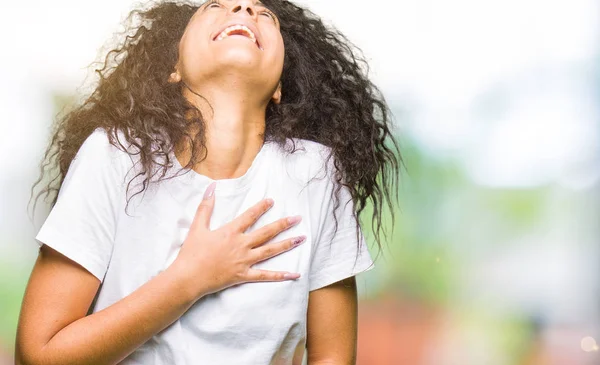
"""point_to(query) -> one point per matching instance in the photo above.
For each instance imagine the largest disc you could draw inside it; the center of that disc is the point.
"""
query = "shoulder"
(307, 157)
(106, 150)
(312, 148)
(102, 141)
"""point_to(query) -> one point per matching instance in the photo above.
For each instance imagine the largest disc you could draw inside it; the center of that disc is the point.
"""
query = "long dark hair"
(327, 98)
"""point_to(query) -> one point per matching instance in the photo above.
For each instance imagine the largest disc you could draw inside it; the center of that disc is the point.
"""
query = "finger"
(266, 275)
(273, 249)
(264, 234)
(250, 216)
(205, 209)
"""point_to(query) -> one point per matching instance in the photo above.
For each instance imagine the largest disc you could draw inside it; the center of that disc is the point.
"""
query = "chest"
(149, 238)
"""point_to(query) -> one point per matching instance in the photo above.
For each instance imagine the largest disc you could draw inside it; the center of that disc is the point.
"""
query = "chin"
(238, 59)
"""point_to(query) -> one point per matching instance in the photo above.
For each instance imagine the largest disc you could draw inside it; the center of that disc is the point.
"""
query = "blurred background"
(494, 257)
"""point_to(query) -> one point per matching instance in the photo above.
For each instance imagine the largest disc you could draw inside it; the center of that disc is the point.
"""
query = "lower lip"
(241, 36)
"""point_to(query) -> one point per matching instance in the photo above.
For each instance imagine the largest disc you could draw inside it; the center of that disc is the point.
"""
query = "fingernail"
(291, 276)
(298, 240)
(270, 202)
(294, 220)
(210, 190)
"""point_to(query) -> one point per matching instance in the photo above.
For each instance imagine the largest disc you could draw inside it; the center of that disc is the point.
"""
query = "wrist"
(186, 285)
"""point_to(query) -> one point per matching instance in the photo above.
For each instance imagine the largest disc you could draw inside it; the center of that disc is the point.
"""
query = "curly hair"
(327, 98)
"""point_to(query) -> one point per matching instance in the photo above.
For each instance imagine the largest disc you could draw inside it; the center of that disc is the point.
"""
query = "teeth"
(225, 33)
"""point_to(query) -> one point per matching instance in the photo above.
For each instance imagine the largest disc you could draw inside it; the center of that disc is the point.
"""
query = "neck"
(235, 128)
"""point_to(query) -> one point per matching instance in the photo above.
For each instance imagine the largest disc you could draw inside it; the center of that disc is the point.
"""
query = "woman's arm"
(53, 328)
(332, 324)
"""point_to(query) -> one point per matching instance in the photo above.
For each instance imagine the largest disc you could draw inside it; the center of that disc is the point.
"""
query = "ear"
(175, 77)
(277, 95)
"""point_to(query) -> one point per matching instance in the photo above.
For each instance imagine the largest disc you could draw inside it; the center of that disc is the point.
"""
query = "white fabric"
(252, 323)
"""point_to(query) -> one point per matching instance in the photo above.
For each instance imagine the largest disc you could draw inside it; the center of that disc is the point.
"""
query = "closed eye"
(213, 4)
(269, 14)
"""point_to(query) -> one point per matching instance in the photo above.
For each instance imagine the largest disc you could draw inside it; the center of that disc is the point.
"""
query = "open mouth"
(238, 30)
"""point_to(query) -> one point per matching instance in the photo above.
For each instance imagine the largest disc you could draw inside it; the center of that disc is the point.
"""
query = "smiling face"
(228, 38)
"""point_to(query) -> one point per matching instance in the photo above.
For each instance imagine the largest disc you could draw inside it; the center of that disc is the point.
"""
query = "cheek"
(192, 52)
(282, 55)
(279, 54)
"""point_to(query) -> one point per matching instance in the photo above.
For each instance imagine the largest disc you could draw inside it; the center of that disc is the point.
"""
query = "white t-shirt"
(252, 323)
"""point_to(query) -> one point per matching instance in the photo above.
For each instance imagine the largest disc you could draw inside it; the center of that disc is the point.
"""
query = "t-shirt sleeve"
(336, 255)
(82, 223)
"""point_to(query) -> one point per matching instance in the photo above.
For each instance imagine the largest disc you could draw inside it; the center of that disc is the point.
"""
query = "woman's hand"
(214, 260)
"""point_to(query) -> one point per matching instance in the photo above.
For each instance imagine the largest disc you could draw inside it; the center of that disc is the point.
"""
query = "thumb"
(205, 209)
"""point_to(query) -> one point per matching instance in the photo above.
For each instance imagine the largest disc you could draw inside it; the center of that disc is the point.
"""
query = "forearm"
(333, 360)
(110, 335)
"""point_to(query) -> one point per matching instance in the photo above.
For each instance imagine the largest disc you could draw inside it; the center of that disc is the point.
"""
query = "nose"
(244, 7)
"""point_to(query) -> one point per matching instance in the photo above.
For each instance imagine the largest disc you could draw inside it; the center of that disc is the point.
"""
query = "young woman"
(208, 195)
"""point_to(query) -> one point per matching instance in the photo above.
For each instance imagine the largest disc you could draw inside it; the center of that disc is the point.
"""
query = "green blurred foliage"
(13, 279)
(415, 260)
